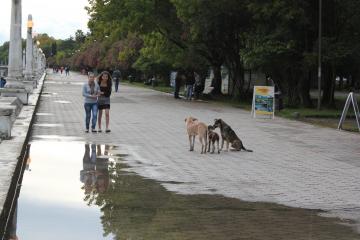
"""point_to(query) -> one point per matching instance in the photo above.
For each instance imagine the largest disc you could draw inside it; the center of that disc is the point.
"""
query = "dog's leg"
(222, 144)
(209, 142)
(205, 139)
(190, 137)
(202, 144)
(227, 146)
(213, 147)
(218, 146)
(193, 143)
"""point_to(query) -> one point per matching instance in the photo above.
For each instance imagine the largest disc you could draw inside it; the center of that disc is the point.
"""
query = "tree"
(80, 36)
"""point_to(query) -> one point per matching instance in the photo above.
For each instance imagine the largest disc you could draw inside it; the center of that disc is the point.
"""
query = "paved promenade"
(293, 163)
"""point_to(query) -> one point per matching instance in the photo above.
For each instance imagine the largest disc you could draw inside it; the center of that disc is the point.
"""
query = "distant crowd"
(62, 69)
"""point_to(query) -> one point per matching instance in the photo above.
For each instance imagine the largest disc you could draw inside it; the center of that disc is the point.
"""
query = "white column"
(14, 82)
(15, 74)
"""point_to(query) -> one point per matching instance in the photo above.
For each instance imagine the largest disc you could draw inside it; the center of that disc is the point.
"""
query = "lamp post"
(29, 50)
(319, 56)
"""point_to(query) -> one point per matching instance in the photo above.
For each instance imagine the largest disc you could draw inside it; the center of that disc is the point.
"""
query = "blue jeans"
(189, 92)
(91, 110)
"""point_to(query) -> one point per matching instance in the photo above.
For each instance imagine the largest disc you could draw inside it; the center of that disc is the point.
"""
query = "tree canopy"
(278, 38)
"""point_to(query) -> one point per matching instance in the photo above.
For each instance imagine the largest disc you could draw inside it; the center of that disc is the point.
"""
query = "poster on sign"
(263, 102)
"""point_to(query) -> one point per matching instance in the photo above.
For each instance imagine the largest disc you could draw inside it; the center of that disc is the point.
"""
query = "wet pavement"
(154, 188)
(73, 190)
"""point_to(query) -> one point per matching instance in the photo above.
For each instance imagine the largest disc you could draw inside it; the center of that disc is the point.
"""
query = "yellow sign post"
(263, 102)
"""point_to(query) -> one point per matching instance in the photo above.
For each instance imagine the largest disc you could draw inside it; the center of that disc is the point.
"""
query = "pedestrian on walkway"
(178, 81)
(198, 87)
(190, 81)
(67, 71)
(2, 82)
(91, 91)
(116, 76)
(105, 83)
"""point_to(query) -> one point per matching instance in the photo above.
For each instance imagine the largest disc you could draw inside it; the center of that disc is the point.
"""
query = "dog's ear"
(194, 119)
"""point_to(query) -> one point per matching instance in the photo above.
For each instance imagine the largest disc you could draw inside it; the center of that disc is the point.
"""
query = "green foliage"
(277, 37)
(4, 52)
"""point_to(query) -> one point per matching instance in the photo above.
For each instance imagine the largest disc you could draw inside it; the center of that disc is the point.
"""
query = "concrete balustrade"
(24, 71)
(9, 110)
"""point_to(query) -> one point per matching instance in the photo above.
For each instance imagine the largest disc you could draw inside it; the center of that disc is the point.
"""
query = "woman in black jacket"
(105, 83)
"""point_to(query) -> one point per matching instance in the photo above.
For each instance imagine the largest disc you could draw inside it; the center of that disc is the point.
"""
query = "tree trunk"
(293, 93)
(217, 81)
(329, 87)
(238, 73)
(305, 86)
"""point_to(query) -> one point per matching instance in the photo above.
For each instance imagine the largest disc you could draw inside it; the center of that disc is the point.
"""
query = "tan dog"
(194, 127)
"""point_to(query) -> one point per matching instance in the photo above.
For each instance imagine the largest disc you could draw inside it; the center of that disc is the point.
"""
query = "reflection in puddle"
(44, 114)
(57, 138)
(84, 191)
(48, 125)
(62, 101)
(62, 82)
(48, 94)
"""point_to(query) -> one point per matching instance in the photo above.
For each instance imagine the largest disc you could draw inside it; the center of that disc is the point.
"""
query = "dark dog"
(229, 136)
(213, 138)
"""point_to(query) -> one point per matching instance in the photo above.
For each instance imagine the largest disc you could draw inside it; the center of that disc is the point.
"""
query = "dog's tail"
(247, 150)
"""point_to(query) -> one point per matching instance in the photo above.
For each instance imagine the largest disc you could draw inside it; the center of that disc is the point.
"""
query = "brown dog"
(213, 138)
(194, 127)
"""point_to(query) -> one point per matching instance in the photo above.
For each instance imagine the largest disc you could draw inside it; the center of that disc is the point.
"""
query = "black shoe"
(93, 131)
(99, 130)
(87, 130)
(108, 130)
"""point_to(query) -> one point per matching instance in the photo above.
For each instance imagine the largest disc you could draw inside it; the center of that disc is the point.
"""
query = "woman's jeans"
(189, 91)
(91, 110)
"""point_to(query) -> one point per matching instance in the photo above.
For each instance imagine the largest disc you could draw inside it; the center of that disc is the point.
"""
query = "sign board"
(350, 99)
(263, 102)
(172, 79)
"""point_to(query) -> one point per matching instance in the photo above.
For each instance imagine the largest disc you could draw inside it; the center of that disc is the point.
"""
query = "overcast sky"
(58, 18)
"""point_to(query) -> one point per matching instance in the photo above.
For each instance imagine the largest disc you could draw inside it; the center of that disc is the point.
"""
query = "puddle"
(50, 125)
(86, 191)
(44, 114)
(48, 94)
(56, 138)
(62, 102)
(62, 82)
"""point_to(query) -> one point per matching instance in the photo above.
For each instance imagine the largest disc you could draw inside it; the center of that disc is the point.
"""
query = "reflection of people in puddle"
(28, 162)
(87, 175)
(95, 173)
(102, 171)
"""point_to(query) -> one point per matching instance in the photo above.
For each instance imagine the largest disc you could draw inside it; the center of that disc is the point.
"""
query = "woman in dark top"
(105, 83)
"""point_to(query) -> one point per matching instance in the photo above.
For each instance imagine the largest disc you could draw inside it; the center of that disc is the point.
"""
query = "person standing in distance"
(91, 92)
(105, 83)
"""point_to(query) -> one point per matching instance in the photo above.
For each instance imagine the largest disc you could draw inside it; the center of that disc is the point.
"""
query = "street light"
(319, 56)
(30, 23)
